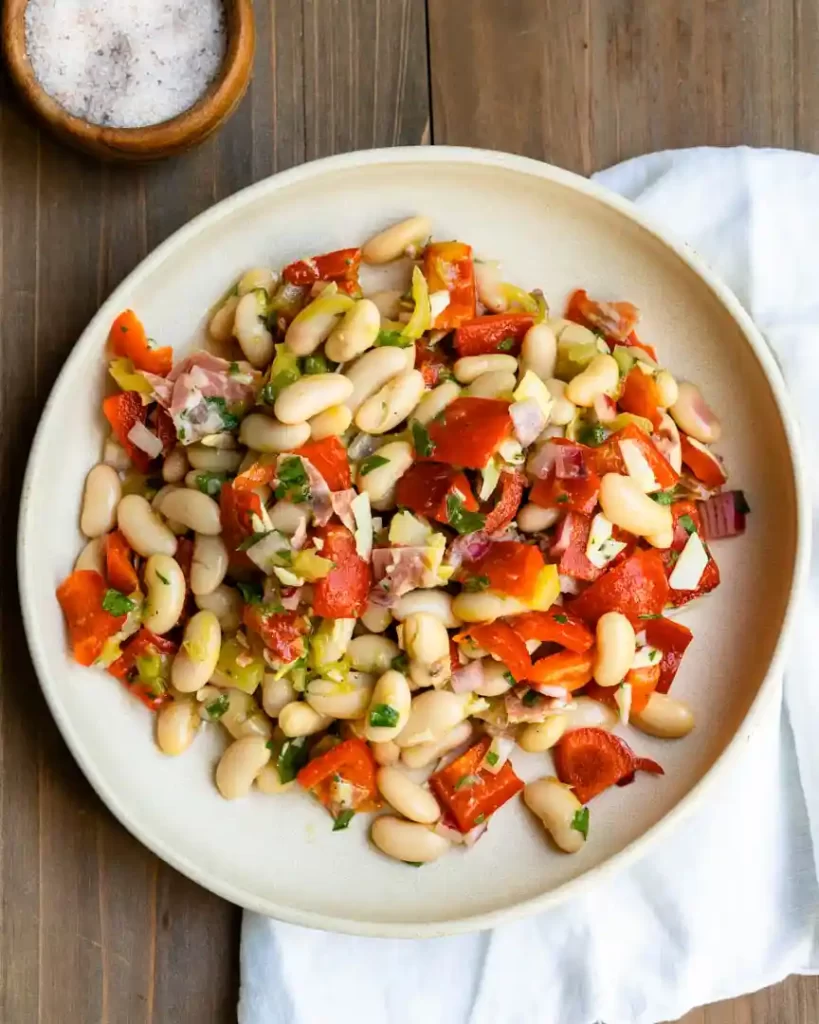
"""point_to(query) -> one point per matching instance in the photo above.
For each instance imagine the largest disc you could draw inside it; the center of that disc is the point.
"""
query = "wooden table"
(92, 926)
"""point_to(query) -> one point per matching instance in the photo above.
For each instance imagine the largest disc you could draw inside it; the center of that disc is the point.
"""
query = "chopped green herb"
(384, 716)
(289, 758)
(492, 758)
(688, 524)
(562, 619)
(476, 584)
(593, 435)
(507, 675)
(254, 538)
(481, 818)
(506, 345)
(467, 781)
(392, 339)
(414, 863)
(460, 518)
(211, 483)
(164, 579)
(563, 498)
(439, 417)
(233, 369)
(580, 822)
(421, 441)
(218, 707)
(400, 663)
(371, 463)
(116, 603)
(663, 497)
(343, 819)
(252, 593)
(285, 556)
(444, 375)
(655, 616)
(316, 363)
(673, 557)
(530, 698)
(229, 421)
(293, 484)
(653, 655)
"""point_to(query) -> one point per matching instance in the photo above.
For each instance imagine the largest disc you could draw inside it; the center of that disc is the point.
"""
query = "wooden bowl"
(155, 141)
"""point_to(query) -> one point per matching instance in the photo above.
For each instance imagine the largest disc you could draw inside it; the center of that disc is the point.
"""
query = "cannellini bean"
(556, 806)
(257, 277)
(431, 601)
(221, 323)
(277, 693)
(485, 606)
(425, 637)
(692, 415)
(142, 527)
(664, 539)
(665, 717)
(626, 505)
(423, 754)
(376, 618)
(355, 333)
(193, 509)
(372, 653)
(538, 737)
(388, 303)
(226, 604)
(406, 796)
(488, 284)
(538, 352)
(600, 377)
(239, 766)
(563, 410)
(209, 564)
(92, 556)
(338, 700)
(392, 243)
(434, 402)
(380, 482)
(496, 384)
(386, 753)
(103, 491)
(114, 455)
(667, 389)
(299, 719)
(176, 725)
(568, 332)
(589, 714)
(370, 372)
(287, 517)
(156, 504)
(533, 519)
(311, 327)
(250, 328)
(432, 714)
(330, 423)
(213, 460)
(392, 404)
(268, 781)
(495, 678)
(407, 840)
(309, 396)
(391, 693)
(175, 466)
(196, 660)
(615, 649)
(165, 594)
(469, 368)
(264, 434)
(243, 717)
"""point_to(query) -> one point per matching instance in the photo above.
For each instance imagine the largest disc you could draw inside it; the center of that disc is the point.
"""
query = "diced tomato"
(122, 411)
(340, 266)
(511, 568)
(500, 639)
(329, 456)
(425, 487)
(637, 587)
(342, 594)
(448, 267)
(145, 644)
(119, 567)
(643, 682)
(608, 458)
(672, 638)
(128, 339)
(470, 431)
(558, 626)
(512, 487)
(89, 624)
(283, 632)
(616, 320)
(575, 530)
(566, 668)
(470, 793)
(500, 332)
(431, 361)
(702, 462)
(349, 762)
(591, 760)
(640, 396)
(578, 495)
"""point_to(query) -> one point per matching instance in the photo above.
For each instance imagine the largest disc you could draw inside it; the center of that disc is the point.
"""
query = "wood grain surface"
(92, 927)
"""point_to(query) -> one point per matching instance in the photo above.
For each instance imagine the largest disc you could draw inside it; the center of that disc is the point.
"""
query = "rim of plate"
(767, 691)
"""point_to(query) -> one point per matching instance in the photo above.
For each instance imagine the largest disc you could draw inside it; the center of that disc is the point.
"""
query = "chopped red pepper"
(500, 332)
(470, 793)
(511, 568)
(616, 320)
(577, 495)
(672, 638)
(558, 626)
(128, 339)
(637, 587)
(283, 632)
(448, 267)
(709, 581)
(705, 466)
(643, 682)
(352, 762)
(342, 594)
(512, 487)
(684, 513)
(500, 639)
(432, 363)
(425, 487)
(687, 520)
(608, 457)
(340, 266)
(329, 456)
(89, 624)
(257, 475)
(574, 531)
(566, 668)
(237, 508)
(122, 411)
(469, 431)
(119, 567)
(640, 396)
(591, 760)
(146, 644)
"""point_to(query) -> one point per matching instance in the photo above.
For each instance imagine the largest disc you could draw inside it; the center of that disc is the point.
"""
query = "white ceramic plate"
(551, 229)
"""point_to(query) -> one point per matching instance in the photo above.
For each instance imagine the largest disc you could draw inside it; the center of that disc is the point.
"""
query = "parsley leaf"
(400, 663)
(580, 822)
(479, 820)
(233, 370)
(421, 441)
(562, 619)
(688, 524)
(252, 593)
(663, 497)
(507, 675)
(506, 345)
(343, 819)
(373, 462)
(291, 757)
(492, 758)
(392, 339)
(593, 435)
(270, 392)
(529, 699)
(563, 498)
(164, 579)
(116, 603)
(459, 518)
(229, 421)
(655, 616)
(467, 781)
(248, 542)
(218, 707)
(211, 483)
(293, 484)
(383, 716)
(476, 584)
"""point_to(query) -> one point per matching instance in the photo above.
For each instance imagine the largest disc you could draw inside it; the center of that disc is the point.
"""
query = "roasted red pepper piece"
(591, 760)
(119, 567)
(643, 682)
(283, 632)
(469, 431)
(672, 638)
(237, 508)
(425, 487)
(608, 458)
(500, 332)
(122, 411)
(470, 793)
(566, 668)
(578, 495)
(512, 487)
(89, 624)
(616, 320)
(351, 761)
(500, 639)
(432, 363)
(342, 594)
(640, 396)
(329, 456)
(164, 428)
(637, 587)
(128, 339)
(558, 626)
(511, 568)
(448, 267)
(686, 515)
(576, 528)
(705, 466)
(145, 644)
(340, 266)
(257, 475)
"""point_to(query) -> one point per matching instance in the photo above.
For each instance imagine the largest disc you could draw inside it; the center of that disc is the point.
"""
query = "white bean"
(221, 323)
(331, 423)
(142, 527)
(392, 243)
(380, 482)
(387, 753)
(484, 606)
(495, 678)
(431, 601)
(213, 460)
(338, 700)
(667, 389)
(692, 415)
(269, 781)
(615, 649)
(469, 368)
(388, 303)
(250, 328)
(423, 754)
(426, 641)
(193, 509)
(264, 434)
(407, 840)
(626, 505)
(239, 766)
(497, 384)
(556, 806)
(309, 396)
(370, 653)
(313, 324)
(665, 717)
(600, 377)
(489, 286)
(92, 556)
(434, 402)
(209, 564)
(243, 717)
(114, 455)
(287, 517)
(165, 594)
(257, 277)
(406, 796)
(226, 604)
(538, 737)
(533, 519)
(391, 699)
(392, 404)
(175, 466)
(370, 372)
(276, 693)
(589, 714)
(156, 504)
(432, 714)
(196, 660)
(101, 496)
(176, 725)
(563, 411)
(356, 333)
(299, 719)
(570, 333)
(538, 352)
(376, 618)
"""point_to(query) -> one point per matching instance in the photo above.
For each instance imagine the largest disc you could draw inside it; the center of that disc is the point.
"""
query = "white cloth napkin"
(728, 902)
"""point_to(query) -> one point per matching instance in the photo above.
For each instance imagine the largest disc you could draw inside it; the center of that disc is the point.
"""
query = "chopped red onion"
(144, 439)
(468, 678)
(447, 829)
(723, 515)
(468, 548)
(569, 585)
(563, 537)
(474, 834)
(569, 463)
(528, 420)
(542, 461)
(604, 408)
(290, 598)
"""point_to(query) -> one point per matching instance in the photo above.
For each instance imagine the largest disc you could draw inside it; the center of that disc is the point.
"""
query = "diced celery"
(330, 641)
(421, 318)
(310, 565)
(624, 359)
(623, 420)
(238, 667)
(573, 357)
